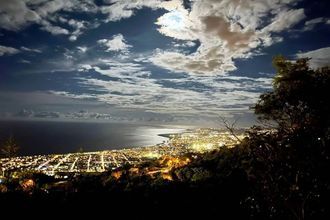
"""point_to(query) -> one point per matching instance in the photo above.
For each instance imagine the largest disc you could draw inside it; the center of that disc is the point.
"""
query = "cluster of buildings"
(195, 141)
(206, 139)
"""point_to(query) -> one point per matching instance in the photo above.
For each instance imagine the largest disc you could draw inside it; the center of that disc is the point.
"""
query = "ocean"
(44, 137)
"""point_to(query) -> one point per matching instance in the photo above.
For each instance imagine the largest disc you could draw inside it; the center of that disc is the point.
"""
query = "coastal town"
(191, 141)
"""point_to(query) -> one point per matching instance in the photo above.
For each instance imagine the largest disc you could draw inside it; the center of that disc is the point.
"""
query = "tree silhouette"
(295, 157)
(10, 147)
(300, 97)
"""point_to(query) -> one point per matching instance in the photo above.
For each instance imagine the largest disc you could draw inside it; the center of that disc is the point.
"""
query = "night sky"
(150, 60)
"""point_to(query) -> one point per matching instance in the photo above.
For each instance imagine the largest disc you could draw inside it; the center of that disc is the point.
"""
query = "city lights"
(170, 154)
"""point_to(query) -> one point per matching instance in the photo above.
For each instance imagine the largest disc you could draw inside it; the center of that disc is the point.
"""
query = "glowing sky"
(150, 60)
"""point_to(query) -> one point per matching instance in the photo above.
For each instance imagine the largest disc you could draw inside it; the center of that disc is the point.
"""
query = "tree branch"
(231, 127)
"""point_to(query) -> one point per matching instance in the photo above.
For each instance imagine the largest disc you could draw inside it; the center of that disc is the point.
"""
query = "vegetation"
(272, 174)
(299, 101)
(10, 147)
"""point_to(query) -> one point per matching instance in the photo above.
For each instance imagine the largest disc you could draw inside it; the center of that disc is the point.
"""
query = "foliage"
(291, 162)
(10, 147)
(299, 99)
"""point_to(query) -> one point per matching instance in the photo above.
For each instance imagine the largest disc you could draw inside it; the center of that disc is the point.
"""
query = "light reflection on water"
(152, 135)
(64, 137)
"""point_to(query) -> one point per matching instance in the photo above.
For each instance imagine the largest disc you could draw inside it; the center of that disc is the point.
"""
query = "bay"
(50, 137)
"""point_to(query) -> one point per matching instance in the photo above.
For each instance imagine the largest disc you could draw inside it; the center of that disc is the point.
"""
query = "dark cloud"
(222, 28)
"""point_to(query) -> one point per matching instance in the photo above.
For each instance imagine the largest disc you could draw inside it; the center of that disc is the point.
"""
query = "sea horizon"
(38, 137)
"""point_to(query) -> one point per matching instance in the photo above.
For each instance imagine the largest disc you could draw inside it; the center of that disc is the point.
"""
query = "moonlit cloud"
(279, 24)
(121, 9)
(160, 60)
(116, 43)
(81, 115)
(78, 26)
(82, 49)
(135, 88)
(55, 30)
(176, 24)
(185, 44)
(310, 24)
(226, 30)
(237, 19)
(8, 50)
(16, 15)
(31, 50)
(25, 61)
(319, 57)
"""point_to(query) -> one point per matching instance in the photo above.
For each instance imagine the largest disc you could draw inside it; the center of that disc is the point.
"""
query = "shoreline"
(197, 141)
(41, 138)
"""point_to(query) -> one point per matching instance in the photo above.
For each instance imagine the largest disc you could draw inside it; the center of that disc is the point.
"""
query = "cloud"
(226, 30)
(46, 8)
(176, 24)
(121, 9)
(28, 113)
(84, 114)
(25, 113)
(121, 69)
(240, 22)
(116, 44)
(30, 50)
(235, 95)
(8, 50)
(24, 61)
(185, 44)
(82, 49)
(320, 57)
(16, 15)
(85, 67)
(310, 24)
(208, 60)
(81, 115)
(285, 20)
(129, 85)
(55, 30)
(47, 114)
(78, 26)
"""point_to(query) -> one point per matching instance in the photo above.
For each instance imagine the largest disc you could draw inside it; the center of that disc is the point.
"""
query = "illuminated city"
(197, 141)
